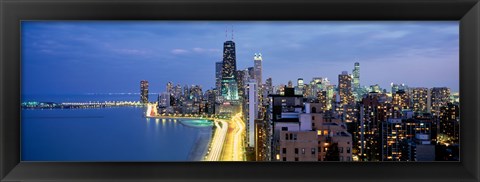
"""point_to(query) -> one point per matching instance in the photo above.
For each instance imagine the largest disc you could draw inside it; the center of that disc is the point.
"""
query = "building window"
(284, 159)
(340, 149)
(296, 150)
(314, 110)
(303, 150)
(313, 117)
(296, 158)
(284, 128)
(324, 149)
(284, 150)
(294, 136)
(348, 158)
(341, 158)
(348, 150)
(286, 136)
(313, 150)
(291, 136)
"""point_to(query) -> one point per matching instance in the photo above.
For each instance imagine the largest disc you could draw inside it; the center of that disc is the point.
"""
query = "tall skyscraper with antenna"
(257, 61)
(356, 76)
(229, 88)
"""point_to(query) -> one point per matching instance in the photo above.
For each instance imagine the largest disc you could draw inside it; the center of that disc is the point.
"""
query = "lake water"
(109, 134)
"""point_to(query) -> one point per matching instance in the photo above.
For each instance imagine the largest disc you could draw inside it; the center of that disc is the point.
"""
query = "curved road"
(217, 141)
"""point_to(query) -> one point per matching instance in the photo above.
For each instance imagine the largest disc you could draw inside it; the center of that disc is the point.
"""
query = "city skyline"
(102, 57)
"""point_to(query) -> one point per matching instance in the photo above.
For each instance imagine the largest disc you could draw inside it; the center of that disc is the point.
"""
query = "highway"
(218, 140)
(233, 147)
(238, 142)
(228, 140)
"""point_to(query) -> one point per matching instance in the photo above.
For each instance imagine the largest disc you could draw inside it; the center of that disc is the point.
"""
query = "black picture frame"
(12, 12)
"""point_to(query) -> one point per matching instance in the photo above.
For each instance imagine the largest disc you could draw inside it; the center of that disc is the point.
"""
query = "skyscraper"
(170, 87)
(345, 88)
(440, 96)
(229, 82)
(401, 98)
(229, 60)
(241, 83)
(251, 73)
(300, 82)
(144, 91)
(420, 99)
(299, 87)
(257, 60)
(218, 76)
(251, 90)
(356, 76)
(290, 84)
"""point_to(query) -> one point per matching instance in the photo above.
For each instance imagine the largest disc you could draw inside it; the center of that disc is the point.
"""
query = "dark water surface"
(109, 134)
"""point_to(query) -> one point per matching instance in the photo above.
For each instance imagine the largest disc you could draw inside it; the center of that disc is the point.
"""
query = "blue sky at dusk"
(113, 56)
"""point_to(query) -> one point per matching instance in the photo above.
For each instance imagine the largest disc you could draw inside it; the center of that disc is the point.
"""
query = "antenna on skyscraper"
(226, 28)
(232, 32)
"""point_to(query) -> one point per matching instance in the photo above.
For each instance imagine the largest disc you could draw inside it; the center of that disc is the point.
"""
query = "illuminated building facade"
(418, 148)
(144, 91)
(401, 98)
(345, 89)
(242, 79)
(334, 142)
(396, 87)
(420, 99)
(299, 87)
(261, 140)
(257, 69)
(439, 97)
(229, 86)
(252, 112)
(356, 77)
(218, 76)
(251, 72)
(323, 100)
(449, 124)
(372, 112)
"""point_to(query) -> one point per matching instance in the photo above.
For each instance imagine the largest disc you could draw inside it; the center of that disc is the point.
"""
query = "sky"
(77, 57)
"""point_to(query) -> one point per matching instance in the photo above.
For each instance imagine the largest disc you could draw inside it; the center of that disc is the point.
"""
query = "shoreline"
(200, 147)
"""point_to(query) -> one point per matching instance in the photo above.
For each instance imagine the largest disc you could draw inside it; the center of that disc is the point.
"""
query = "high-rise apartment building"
(252, 112)
(345, 89)
(218, 76)
(420, 99)
(144, 91)
(356, 76)
(401, 98)
(439, 97)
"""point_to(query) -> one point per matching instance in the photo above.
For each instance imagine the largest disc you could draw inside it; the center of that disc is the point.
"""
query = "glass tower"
(356, 76)
(258, 68)
(229, 80)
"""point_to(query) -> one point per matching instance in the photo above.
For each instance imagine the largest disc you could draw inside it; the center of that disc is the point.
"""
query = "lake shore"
(200, 147)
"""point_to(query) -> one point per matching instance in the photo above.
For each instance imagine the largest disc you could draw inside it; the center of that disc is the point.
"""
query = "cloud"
(130, 51)
(390, 35)
(203, 50)
(179, 51)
